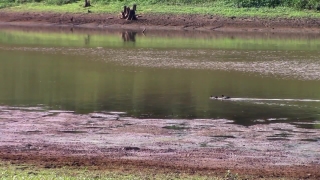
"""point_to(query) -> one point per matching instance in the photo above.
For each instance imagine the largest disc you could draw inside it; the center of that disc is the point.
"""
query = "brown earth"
(110, 140)
(161, 22)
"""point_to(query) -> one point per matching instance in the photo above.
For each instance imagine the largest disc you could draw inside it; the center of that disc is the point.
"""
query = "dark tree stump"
(132, 13)
(129, 14)
(87, 3)
(123, 13)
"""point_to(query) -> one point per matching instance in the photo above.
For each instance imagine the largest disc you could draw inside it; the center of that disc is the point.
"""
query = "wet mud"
(161, 22)
(111, 140)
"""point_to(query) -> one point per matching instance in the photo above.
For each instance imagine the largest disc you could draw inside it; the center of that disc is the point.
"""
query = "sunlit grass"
(212, 8)
(29, 172)
(10, 171)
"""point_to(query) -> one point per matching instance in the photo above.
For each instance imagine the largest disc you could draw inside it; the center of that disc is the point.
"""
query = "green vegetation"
(29, 172)
(261, 8)
(299, 4)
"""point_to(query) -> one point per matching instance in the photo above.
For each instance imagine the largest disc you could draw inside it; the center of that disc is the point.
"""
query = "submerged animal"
(221, 98)
(214, 97)
(225, 97)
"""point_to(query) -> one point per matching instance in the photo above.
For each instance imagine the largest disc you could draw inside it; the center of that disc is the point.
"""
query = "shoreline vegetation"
(28, 171)
(227, 8)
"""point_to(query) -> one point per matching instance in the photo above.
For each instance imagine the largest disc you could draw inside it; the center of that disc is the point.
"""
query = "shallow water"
(271, 78)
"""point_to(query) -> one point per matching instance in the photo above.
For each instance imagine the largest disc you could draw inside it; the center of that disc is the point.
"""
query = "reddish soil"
(162, 22)
(111, 141)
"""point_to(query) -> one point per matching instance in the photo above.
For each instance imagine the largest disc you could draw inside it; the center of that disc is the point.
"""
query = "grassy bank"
(30, 172)
(259, 8)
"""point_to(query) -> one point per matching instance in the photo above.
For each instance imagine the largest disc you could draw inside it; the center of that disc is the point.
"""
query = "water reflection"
(161, 76)
(129, 36)
(60, 36)
(87, 40)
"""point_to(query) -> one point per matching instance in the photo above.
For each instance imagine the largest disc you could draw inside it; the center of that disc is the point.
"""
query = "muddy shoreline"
(160, 22)
(111, 140)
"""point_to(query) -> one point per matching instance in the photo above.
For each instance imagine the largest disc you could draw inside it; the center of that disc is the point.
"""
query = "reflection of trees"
(87, 40)
(129, 36)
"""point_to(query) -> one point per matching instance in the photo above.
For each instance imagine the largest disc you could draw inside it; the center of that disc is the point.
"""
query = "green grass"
(28, 172)
(10, 171)
(217, 7)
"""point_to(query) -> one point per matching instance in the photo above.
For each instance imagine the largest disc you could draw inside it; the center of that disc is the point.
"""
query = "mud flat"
(110, 140)
(161, 22)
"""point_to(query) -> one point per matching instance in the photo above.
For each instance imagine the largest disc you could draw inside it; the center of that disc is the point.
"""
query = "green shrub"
(303, 4)
(8, 1)
(56, 2)
(258, 3)
(23, 1)
(60, 2)
(299, 4)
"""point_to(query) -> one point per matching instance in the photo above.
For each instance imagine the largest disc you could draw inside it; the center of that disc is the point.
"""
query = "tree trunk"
(87, 3)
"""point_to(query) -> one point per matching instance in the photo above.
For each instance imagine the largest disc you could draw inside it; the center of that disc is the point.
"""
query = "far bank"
(156, 21)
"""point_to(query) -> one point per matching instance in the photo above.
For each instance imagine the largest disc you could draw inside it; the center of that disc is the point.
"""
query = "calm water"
(273, 78)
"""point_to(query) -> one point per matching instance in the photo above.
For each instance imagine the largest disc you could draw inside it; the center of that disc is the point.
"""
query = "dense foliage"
(57, 2)
(298, 4)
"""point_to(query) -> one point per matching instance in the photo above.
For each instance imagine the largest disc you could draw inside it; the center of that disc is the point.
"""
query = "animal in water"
(214, 97)
(221, 98)
(225, 97)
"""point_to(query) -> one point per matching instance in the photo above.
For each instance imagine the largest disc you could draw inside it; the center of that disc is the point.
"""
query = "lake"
(270, 77)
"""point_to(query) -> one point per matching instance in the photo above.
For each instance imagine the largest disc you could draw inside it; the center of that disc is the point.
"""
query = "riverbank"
(112, 141)
(160, 22)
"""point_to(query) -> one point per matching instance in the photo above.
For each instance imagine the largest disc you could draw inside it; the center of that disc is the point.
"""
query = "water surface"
(271, 78)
